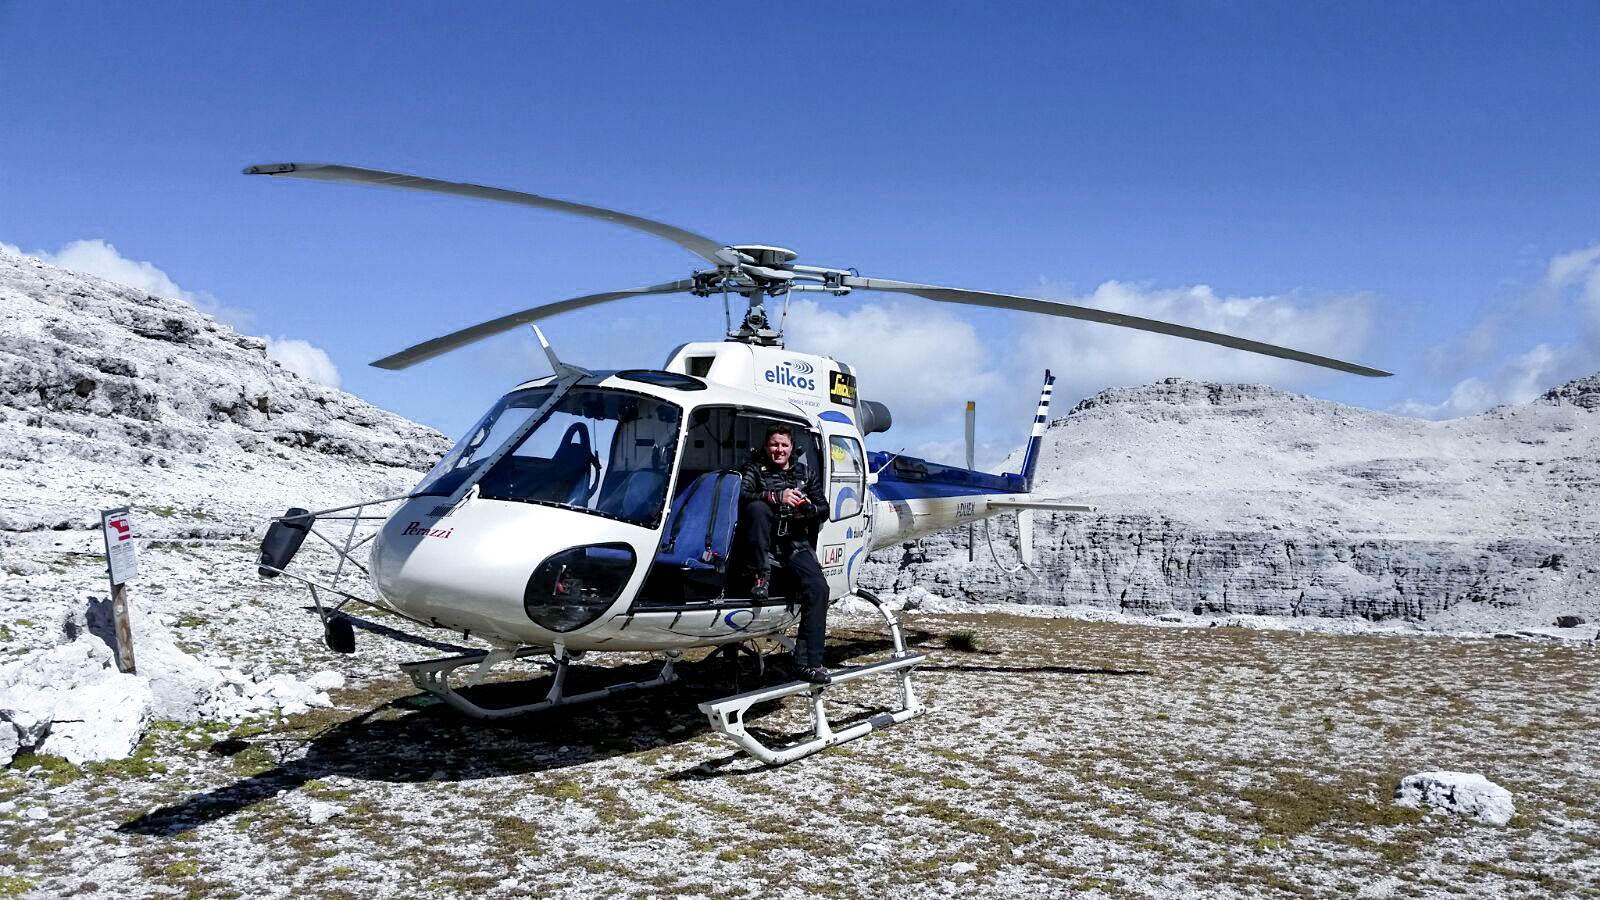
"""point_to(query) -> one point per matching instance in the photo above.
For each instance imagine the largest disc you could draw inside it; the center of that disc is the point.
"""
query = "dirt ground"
(1059, 757)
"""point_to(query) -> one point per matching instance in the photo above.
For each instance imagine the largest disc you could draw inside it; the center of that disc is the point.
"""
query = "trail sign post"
(121, 565)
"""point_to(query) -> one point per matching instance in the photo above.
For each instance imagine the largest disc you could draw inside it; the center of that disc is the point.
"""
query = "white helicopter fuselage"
(474, 565)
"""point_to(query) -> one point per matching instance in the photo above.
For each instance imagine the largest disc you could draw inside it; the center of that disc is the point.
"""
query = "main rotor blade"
(429, 349)
(1029, 304)
(703, 247)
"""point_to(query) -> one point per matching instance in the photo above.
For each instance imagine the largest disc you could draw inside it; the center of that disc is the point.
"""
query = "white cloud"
(1519, 380)
(987, 455)
(1088, 356)
(1569, 268)
(304, 359)
(99, 258)
(1570, 292)
(1476, 347)
(920, 361)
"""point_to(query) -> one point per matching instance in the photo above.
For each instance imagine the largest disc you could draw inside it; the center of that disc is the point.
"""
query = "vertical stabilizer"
(1030, 457)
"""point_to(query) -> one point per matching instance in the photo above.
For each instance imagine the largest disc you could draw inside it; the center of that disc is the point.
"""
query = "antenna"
(972, 418)
(560, 368)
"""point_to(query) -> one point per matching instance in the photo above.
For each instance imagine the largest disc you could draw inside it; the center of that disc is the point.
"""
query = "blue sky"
(1412, 188)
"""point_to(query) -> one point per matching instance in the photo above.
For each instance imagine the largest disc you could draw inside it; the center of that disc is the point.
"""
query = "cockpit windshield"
(598, 450)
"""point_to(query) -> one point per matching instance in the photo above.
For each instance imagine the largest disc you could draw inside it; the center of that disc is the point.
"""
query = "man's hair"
(779, 428)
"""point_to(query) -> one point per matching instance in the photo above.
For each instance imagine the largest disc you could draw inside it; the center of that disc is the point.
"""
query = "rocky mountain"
(1242, 499)
(110, 395)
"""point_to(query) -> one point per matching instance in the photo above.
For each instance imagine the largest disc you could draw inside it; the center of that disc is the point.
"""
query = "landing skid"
(433, 676)
(727, 715)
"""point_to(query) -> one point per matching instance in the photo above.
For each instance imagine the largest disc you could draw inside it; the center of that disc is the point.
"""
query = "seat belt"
(709, 555)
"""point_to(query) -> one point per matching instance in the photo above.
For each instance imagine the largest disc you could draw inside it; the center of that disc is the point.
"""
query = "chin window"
(572, 588)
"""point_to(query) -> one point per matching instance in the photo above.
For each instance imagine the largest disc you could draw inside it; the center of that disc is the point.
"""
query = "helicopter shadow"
(416, 738)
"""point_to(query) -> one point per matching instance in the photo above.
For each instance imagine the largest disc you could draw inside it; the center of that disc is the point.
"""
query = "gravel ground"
(1060, 756)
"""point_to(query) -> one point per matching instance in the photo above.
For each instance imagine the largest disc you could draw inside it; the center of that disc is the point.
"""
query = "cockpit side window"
(494, 429)
(599, 450)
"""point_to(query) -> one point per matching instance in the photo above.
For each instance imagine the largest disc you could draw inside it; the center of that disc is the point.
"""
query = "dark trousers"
(795, 562)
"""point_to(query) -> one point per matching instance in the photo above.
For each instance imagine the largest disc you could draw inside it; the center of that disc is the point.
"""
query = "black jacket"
(759, 479)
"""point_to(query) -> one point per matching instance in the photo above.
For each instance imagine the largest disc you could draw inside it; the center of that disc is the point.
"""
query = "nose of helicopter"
(514, 571)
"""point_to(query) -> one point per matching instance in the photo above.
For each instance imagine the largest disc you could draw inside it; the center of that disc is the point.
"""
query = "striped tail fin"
(1030, 457)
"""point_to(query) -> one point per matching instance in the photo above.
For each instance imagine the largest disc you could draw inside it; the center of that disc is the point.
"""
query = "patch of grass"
(14, 885)
(165, 512)
(57, 770)
(661, 828)
(567, 790)
(1296, 803)
(963, 641)
(512, 833)
(322, 790)
(1489, 868)
(252, 760)
(183, 868)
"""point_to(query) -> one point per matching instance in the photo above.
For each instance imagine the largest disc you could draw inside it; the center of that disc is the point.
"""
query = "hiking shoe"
(813, 674)
(758, 588)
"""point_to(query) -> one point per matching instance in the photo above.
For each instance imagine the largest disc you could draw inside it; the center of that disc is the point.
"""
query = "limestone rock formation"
(1242, 499)
(110, 397)
(102, 382)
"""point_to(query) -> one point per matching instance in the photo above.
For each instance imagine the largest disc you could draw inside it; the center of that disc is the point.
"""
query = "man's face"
(779, 449)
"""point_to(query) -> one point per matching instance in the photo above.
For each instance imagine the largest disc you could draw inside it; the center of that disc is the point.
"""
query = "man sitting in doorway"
(780, 505)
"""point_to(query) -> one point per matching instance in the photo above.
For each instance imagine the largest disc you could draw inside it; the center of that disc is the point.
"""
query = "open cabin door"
(842, 540)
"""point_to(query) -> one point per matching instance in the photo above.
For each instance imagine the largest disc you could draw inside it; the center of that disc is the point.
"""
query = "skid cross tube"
(433, 676)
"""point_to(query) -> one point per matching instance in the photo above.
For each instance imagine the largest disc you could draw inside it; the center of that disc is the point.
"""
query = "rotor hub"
(763, 255)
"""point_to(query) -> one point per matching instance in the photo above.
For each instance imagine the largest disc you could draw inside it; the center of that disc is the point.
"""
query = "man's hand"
(792, 497)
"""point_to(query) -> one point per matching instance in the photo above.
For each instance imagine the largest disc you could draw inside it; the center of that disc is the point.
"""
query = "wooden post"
(119, 612)
(121, 566)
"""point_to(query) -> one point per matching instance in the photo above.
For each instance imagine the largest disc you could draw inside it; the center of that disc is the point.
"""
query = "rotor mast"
(756, 272)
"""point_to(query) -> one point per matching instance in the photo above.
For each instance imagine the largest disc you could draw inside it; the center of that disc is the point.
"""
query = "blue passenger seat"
(635, 497)
(699, 529)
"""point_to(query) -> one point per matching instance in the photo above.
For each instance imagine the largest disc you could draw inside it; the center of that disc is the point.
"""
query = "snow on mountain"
(1242, 499)
(111, 397)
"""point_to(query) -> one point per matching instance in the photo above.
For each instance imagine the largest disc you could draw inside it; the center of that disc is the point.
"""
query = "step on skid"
(727, 715)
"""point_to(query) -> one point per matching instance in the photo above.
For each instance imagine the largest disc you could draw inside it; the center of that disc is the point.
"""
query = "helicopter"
(595, 511)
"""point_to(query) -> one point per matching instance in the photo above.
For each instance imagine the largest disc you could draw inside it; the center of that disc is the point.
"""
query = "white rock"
(1459, 793)
(36, 813)
(963, 868)
(24, 718)
(326, 680)
(320, 811)
(101, 720)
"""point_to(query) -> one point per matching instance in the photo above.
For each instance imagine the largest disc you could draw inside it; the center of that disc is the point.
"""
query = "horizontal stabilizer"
(1053, 505)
